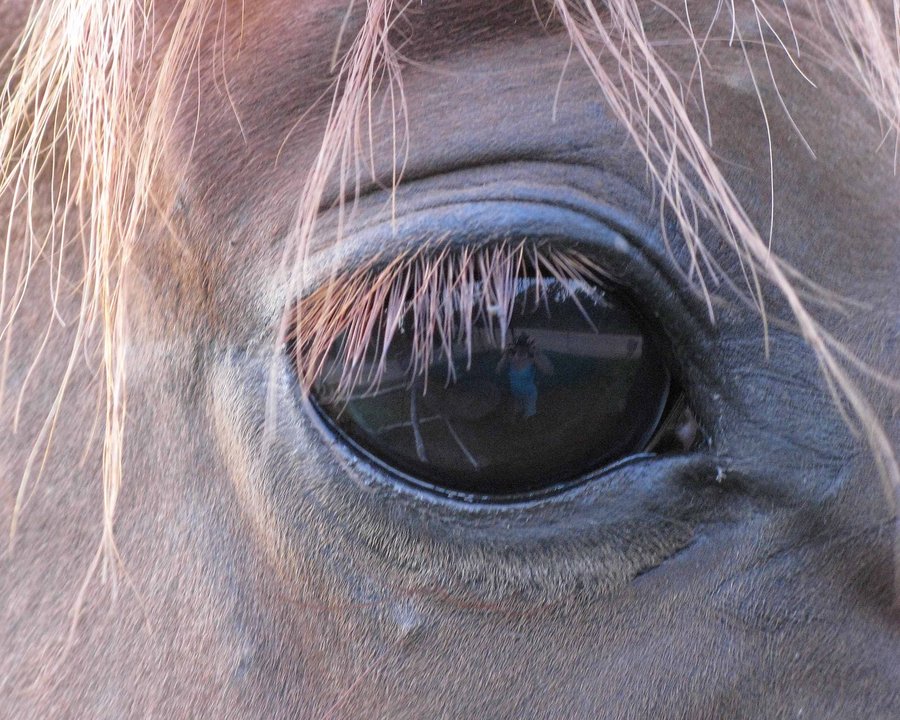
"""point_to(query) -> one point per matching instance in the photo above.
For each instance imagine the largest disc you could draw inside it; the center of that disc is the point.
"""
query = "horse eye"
(568, 380)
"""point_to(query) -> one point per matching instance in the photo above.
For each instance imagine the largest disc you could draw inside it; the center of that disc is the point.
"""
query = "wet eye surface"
(500, 388)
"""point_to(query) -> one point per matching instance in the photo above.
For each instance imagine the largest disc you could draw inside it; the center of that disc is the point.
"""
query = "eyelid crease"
(443, 292)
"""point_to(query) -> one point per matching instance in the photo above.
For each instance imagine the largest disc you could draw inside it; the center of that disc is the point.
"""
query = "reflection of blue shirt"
(521, 381)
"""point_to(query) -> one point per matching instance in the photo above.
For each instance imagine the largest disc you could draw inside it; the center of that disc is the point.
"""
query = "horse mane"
(82, 66)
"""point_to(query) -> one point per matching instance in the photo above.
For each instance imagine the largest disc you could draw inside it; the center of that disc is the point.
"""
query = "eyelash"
(441, 294)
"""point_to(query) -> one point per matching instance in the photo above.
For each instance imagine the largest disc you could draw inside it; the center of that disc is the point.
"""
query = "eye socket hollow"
(505, 400)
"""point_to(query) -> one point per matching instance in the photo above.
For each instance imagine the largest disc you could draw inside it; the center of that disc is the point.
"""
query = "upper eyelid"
(472, 209)
(480, 205)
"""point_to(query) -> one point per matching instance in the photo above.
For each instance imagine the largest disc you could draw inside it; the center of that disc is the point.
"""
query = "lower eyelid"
(292, 467)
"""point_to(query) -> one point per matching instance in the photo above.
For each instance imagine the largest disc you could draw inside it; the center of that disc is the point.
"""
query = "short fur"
(92, 108)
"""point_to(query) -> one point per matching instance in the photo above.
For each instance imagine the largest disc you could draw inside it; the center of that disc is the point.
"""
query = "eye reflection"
(561, 381)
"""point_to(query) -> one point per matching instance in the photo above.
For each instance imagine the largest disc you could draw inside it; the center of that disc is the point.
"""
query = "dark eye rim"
(676, 397)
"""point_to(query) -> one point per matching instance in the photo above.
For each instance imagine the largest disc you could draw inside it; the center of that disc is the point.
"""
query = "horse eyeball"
(563, 379)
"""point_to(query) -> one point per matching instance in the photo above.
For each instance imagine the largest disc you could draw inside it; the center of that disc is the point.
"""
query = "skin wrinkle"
(272, 585)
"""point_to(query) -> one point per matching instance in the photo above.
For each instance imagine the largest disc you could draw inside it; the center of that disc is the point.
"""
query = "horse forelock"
(93, 85)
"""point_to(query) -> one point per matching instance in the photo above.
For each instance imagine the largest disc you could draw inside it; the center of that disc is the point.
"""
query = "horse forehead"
(268, 118)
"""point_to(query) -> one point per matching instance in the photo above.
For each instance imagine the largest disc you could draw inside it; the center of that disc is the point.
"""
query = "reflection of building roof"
(602, 346)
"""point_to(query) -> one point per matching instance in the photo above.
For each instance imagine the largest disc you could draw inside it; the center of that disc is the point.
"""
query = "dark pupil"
(577, 382)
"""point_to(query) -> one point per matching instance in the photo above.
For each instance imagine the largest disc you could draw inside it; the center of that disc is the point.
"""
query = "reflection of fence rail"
(601, 346)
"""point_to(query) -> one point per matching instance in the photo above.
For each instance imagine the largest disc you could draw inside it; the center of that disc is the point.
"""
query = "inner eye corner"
(500, 373)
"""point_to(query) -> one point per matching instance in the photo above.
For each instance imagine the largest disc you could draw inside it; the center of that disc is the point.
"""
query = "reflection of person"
(521, 360)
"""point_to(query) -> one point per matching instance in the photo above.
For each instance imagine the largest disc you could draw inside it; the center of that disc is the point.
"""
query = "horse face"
(272, 572)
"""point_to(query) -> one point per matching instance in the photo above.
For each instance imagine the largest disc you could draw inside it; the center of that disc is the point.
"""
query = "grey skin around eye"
(265, 570)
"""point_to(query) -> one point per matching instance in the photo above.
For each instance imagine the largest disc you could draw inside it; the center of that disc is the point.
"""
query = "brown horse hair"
(125, 71)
